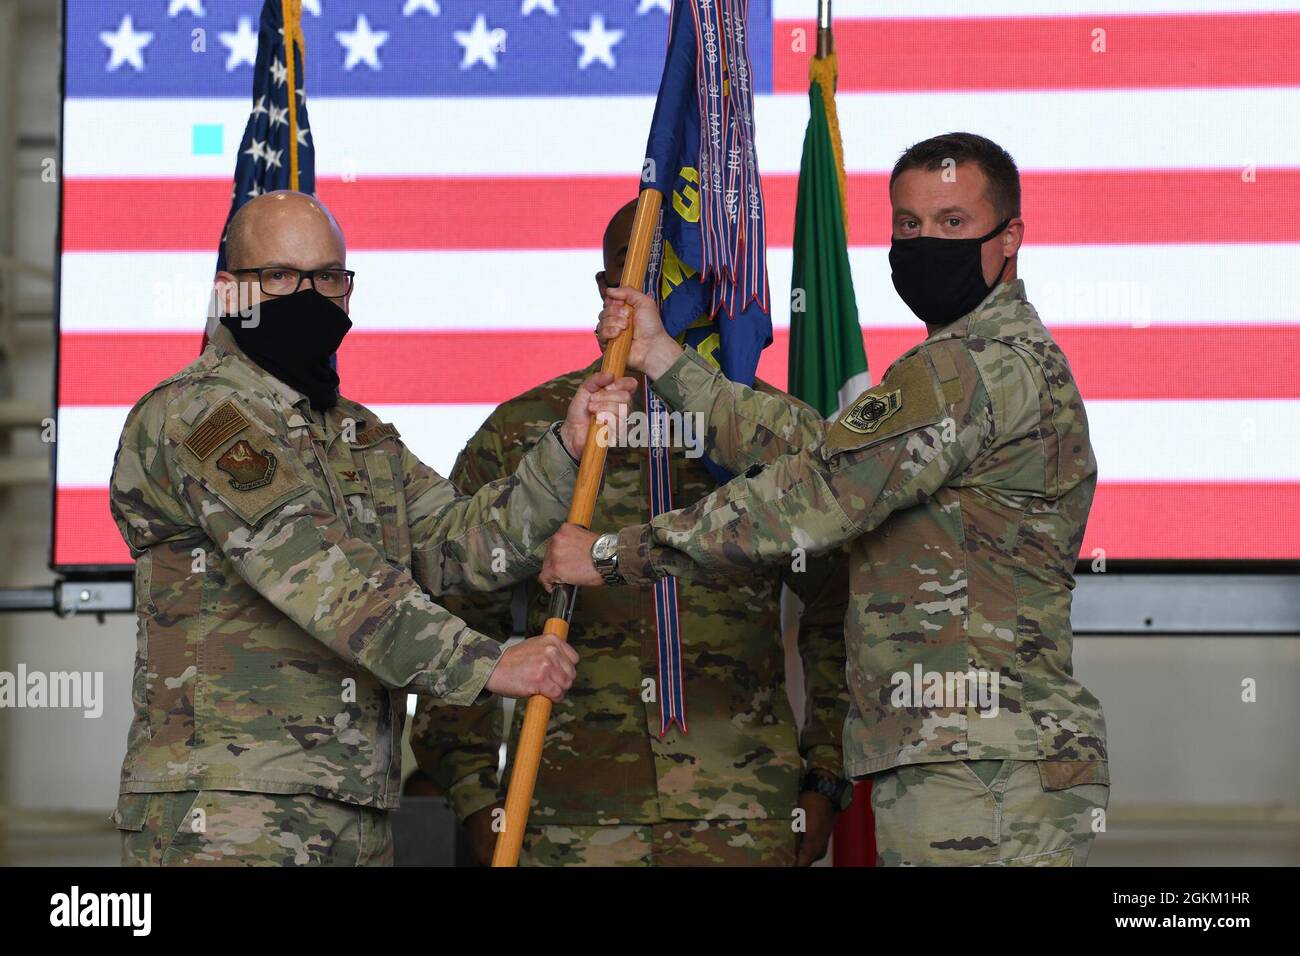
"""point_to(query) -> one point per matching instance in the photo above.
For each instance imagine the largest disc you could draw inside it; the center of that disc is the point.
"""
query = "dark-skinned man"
(739, 786)
(963, 481)
(286, 545)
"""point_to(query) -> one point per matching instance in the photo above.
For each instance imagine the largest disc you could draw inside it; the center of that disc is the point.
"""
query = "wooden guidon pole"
(528, 755)
(291, 14)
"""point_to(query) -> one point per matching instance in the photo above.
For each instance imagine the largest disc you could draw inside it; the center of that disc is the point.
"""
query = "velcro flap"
(1064, 774)
(907, 399)
(247, 469)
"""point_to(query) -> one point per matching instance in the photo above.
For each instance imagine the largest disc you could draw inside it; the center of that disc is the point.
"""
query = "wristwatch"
(835, 789)
(604, 555)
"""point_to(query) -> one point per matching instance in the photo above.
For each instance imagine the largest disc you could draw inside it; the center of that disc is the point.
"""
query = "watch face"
(605, 547)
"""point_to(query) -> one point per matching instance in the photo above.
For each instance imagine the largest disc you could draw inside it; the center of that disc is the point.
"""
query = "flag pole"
(824, 71)
(825, 39)
(854, 839)
(532, 735)
(291, 14)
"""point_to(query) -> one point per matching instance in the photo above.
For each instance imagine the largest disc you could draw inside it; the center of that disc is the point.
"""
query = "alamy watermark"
(76, 690)
(639, 429)
(930, 690)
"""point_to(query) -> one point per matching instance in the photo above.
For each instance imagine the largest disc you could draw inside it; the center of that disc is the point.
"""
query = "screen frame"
(1155, 567)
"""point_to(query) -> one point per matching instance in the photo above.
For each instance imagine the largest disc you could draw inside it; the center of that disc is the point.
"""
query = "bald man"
(287, 544)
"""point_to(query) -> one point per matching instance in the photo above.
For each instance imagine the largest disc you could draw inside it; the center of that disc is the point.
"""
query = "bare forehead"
(286, 226)
(961, 183)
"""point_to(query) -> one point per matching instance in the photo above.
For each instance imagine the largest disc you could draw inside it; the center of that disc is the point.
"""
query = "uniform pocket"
(1065, 774)
(389, 498)
(176, 826)
(144, 582)
(131, 811)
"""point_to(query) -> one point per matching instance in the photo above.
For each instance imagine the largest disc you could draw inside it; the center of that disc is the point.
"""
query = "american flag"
(474, 149)
(272, 143)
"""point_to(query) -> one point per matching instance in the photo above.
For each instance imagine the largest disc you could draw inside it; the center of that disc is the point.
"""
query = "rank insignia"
(249, 469)
(871, 411)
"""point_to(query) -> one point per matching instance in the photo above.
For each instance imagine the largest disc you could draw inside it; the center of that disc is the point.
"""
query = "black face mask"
(294, 339)
(941, 279)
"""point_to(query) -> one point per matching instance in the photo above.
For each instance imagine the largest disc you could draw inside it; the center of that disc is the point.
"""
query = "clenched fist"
(653, 349)
(540, 665)
(568, 559)
(600, 395)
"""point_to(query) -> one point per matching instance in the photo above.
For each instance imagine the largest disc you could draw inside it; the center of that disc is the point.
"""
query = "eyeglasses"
(276, 280)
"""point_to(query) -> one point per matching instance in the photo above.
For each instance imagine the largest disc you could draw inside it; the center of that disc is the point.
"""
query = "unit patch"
(249, 469)
(870, 411)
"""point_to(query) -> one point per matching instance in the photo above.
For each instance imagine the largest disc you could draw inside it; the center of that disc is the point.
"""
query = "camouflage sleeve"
(285, 541)
(458, 746)
(824, 589)
(743, 426)
(895, 447)
(492, 538)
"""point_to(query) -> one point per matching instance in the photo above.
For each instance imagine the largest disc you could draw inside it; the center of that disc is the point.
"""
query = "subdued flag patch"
(225, 422)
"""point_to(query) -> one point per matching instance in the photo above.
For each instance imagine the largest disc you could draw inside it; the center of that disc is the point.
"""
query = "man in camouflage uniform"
(611, 791)
(284, 541)
(963, 481)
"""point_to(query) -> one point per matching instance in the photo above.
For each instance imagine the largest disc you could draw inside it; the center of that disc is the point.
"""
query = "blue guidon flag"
(708, 263)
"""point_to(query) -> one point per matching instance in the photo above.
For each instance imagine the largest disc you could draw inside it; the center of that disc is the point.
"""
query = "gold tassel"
(823, 71)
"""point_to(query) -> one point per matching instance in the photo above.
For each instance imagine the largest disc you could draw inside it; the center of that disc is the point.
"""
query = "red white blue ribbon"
(734, 242)
(671, 691)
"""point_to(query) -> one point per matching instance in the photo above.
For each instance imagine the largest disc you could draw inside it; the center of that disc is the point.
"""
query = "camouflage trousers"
(232, 828)
(983, 812)
(677, 843)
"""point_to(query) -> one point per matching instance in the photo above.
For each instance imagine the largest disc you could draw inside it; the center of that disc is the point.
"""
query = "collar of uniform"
(345, 411)
(1003, 294)
(222, 341)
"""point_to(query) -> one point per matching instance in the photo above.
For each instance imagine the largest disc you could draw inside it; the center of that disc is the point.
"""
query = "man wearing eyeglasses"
(286, 545)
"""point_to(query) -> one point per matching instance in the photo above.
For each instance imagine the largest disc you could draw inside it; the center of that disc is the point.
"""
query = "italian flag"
(828, 365)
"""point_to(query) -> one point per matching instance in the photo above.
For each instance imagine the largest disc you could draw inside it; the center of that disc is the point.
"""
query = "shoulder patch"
(905, 400)
(222, 424)
(376, 433)
(249, 469)
(870, 411)
(253, 476)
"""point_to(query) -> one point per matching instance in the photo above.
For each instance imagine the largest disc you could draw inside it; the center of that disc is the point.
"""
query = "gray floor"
(427, 837)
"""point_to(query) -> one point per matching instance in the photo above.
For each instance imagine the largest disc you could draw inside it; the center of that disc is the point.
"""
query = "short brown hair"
(996, 162)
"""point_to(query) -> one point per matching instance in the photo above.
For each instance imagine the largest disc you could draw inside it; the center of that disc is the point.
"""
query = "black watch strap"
(835, 789)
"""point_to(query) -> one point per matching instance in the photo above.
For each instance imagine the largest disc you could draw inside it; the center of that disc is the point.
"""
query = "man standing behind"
(611, 792)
